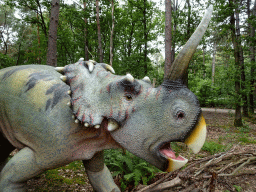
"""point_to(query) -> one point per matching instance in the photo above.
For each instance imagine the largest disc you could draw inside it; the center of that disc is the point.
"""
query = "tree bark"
(112, 33)
(175, 23)
(145, 37)
(252, 54)
(185, 75)
(213, 61)
(38, 38)
(238, 114)
(52, 40)
(241, 63)
(86, 53)
(98, 29)
(168, 37)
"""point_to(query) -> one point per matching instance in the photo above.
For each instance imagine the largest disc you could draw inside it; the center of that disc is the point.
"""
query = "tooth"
(109, 68)
(97, 126)
(63, 78)
(197, 138)
(146, 78)
(86, 124)
(60, 69)
(112, 125)
(129, 77)
(90, 65)
(76, 121)
(69, 92)
(69, 104)
(175, 164)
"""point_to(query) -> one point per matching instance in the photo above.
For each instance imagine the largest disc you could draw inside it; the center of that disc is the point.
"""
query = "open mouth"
(175, 161)
(195, 142)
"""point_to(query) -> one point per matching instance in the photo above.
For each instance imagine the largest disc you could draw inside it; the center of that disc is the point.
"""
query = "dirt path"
(215, 110)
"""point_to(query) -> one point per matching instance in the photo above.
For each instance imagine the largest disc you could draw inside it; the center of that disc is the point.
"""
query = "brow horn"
(181, 62)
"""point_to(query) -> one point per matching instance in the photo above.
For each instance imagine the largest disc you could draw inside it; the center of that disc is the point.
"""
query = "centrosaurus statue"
(53, 123)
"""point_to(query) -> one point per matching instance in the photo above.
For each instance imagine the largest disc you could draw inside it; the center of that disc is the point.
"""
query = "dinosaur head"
(142, 119)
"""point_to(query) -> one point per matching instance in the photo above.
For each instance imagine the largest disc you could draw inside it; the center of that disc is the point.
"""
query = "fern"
(130, 169)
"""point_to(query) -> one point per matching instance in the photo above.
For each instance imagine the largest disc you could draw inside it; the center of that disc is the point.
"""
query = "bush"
(5, 61)
(210, 95)
(131, 169)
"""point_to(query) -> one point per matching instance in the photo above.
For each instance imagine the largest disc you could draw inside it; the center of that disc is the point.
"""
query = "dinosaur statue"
(53, 123)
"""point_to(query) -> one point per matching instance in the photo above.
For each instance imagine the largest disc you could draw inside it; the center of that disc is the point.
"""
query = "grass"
(64, 174)
(213, 147)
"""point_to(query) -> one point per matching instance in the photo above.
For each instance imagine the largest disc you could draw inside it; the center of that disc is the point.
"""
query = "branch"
(238, 168)
(162, 186)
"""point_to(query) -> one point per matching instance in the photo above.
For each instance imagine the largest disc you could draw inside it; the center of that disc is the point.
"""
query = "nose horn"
(181, 62)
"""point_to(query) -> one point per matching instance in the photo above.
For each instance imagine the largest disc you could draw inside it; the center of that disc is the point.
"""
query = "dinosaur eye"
(128, 97)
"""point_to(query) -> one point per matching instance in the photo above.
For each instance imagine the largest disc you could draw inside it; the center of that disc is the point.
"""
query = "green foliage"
(6, 61)
(213, 147)
(54, 178)
(238, 188)
(245, 139)
(139, 26)
(130, 168)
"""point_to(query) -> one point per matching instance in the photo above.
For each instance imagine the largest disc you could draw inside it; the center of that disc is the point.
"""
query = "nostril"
(180, 115)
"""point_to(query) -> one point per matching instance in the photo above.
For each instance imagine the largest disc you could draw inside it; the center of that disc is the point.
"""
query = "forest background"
(129, 35)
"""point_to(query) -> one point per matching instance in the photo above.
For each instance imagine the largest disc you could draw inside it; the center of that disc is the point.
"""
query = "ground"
(227, 149)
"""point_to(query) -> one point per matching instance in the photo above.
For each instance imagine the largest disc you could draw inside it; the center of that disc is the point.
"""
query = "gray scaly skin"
(53, 123)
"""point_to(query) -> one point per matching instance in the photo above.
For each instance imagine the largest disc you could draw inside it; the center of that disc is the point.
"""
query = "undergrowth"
(130, 169)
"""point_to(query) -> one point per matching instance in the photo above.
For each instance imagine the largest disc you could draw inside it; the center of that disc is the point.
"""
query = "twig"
(157, 182)
(231, 165)
(238, 168)
(213, 182)
(165, 185)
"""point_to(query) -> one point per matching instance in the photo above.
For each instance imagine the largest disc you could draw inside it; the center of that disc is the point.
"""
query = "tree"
(52, 40)
(251, 17)
(168, 37)
(6, 24)
(112, 33)
(86, 53)
(99, 32)
(235, 41)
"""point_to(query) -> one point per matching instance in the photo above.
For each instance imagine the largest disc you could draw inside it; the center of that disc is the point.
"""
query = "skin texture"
(35, 118)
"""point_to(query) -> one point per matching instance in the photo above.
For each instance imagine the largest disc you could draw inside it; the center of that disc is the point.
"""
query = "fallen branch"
(238, 168)
(165, 185)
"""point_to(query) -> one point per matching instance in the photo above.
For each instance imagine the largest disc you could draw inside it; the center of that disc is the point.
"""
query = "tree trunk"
(252, 54)
(175, 23)
(52, 40)
(168, 37)
(129, 46)
(112, 33)
(145, 37)
(86, 53)
(38, 38)
(241, 64)
(185, 76)
(99, 35)
(214, 61)
(238, 114)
